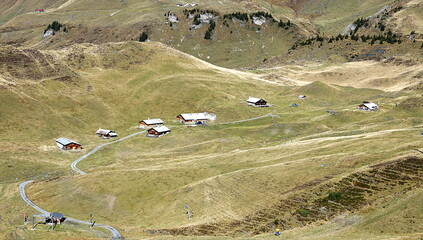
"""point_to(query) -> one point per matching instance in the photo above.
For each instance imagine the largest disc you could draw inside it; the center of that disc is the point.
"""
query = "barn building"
(193, 118)
(103, 133)
(151, 123)
(257, 102)
(158, 131)
(368, 106)
(67, 144)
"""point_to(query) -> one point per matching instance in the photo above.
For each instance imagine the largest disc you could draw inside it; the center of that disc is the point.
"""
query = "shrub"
(334, 196)
(143, 37)
(303, 212)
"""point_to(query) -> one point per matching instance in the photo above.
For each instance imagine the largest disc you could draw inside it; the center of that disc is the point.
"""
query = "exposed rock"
(259, 20)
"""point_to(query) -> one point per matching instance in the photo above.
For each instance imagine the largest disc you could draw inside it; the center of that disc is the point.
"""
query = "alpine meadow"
(209, 120)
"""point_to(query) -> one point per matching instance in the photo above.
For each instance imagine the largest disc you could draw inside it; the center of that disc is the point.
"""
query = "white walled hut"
(151, 123)
(103, 133)
(67, 144)
(257, 102)
(368, 106)
(158, 131)
(195, 118)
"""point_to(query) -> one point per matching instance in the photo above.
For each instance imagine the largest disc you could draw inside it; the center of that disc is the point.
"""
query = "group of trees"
(394, 10)
(286, 25)
(55, 26)
(380, 26)
(388, 37)
(209, 31)
(188, 12)
(237, 15)
(261, 14)
(360, 22)
(307, 42)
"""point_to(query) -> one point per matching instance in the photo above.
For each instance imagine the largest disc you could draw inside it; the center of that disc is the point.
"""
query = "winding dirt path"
(116, 234)
(73, 165)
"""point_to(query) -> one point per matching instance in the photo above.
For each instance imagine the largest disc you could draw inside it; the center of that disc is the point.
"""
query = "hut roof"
(370, 105)
(153, 121)
(65, 141)
(104, 131)
(161, 129)
(194, 116)
(253, 99)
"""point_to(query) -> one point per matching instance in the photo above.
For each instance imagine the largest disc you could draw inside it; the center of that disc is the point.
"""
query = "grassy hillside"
(10, 9)
(72, 92)
(225, 173)
(239, 169)
(233, 43)
(237, 179)
(113, 21)
(331, 17)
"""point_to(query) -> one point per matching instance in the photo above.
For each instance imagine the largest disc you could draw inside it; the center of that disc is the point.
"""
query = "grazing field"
(316, 168)
(238, 179)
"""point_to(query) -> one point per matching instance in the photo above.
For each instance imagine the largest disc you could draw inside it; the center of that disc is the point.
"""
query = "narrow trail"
(114, 13)
(73, 165)
(116, 234)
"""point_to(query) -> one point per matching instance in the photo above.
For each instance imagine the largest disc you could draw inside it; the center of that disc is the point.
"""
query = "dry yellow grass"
(383, 75)
(222, 172)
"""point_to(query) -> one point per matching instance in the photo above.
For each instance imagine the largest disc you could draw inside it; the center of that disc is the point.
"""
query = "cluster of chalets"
(156, 127)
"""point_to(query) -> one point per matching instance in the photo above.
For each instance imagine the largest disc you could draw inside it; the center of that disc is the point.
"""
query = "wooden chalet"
(103, 133)
(158, 131)
(257, 102)
(151, 123)
(368, 106)
(193, 118)
(67, 144)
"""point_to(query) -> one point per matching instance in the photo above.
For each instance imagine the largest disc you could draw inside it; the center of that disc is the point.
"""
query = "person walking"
(277, 232)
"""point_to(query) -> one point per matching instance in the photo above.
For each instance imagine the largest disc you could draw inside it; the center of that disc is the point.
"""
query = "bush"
(143, 37)
(303, 212)
(334, 196)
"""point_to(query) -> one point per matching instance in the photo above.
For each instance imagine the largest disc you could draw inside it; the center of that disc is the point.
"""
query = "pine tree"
(208, 34)
(143, 37)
